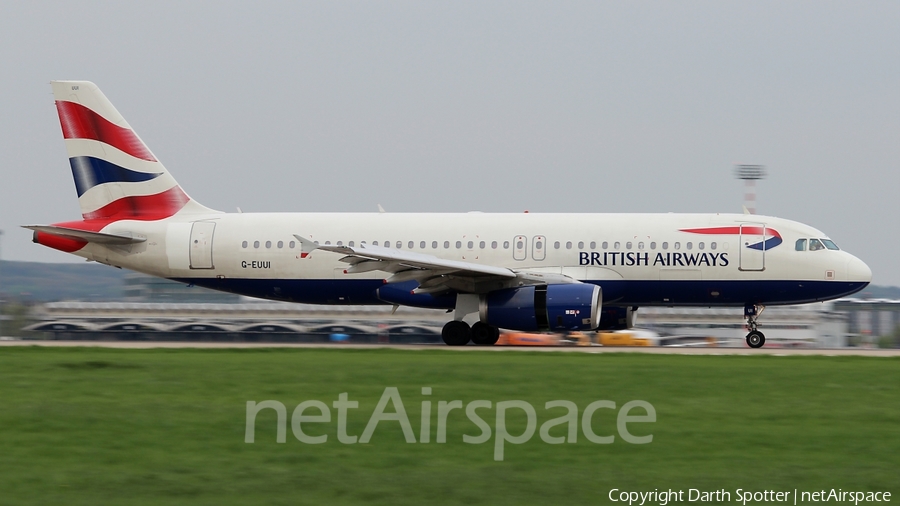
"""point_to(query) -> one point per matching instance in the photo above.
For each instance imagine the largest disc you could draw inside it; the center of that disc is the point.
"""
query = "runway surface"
(666, 350)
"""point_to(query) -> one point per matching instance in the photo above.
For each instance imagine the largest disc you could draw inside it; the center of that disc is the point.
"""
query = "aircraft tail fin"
(116, 175)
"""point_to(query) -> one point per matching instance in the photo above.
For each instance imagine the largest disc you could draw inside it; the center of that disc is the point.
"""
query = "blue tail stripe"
(89, 172)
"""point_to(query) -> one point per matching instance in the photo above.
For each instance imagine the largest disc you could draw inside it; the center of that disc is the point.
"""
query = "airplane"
(517, 271)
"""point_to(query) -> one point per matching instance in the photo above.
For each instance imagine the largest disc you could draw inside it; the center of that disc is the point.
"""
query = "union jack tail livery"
(116, 175)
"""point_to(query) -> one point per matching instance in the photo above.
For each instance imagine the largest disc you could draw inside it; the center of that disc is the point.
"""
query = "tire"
(756, 339)
(456, 333)
(484, 334)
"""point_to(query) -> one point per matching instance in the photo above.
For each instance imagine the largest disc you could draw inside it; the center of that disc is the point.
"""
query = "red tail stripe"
(79, 122)
(64, 244)
(144, 207)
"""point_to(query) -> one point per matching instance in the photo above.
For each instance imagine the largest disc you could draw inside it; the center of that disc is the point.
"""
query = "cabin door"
(753, 247)
(202, 244)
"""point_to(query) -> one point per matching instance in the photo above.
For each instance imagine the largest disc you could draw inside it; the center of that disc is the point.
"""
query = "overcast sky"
(459, 106)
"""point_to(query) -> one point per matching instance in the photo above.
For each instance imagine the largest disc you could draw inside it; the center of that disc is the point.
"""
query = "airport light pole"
(750, 174)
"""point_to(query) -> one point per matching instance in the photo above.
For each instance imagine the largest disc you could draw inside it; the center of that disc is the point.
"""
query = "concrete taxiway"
(665, 350)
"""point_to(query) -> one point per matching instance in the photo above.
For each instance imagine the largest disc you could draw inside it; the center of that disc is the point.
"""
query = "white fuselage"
(226, 251)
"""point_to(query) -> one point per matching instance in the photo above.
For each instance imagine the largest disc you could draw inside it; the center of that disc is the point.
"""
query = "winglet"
(306, 246)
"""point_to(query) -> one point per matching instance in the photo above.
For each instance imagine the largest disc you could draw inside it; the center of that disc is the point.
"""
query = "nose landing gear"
(755, 338)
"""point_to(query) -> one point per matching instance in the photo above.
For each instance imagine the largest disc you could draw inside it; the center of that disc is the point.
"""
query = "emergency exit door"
(520, 247)
(202, 244)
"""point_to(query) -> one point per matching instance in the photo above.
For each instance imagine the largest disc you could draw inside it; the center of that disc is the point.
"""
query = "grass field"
(102, 426)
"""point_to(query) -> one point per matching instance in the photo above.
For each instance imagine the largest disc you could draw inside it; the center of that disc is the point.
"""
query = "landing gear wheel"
(756, 339)
(484, 334)
(456, 333)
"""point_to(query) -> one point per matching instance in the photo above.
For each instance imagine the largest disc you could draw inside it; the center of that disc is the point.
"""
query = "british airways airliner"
(528, 271)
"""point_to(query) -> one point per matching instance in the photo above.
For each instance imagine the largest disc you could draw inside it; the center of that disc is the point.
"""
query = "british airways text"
(637, 258)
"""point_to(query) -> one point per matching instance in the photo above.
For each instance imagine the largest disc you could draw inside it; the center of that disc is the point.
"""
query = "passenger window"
(617, 245)
(399, 244)
(800, 245)
(494, 245)
(446, 244)
(700, 246)
(689, 245)
(434, 245)
(505, 244)
(593, 244)
(256, 244)
(411, 244)
(580, 244)
(374, 243)
(244, 244)
(605, 245)
(470, 245)
(351, 244)
(677, 245)
(268, 244)
(815, 245)
(421, 244)
(568, 244)
(652, 245)
(481, 245)
(458, 244)
(280, 244)
(327, 243)
(640, 246)
(556, 245)
(537, 245)
(712, 245)
(628, 245)
(292, 244)
(520, 244)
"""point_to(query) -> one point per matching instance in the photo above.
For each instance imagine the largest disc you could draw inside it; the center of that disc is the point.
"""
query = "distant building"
(825, 325)
(822, 325)
(870, 317)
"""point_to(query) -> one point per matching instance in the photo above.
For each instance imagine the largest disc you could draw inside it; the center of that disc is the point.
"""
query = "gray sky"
(458, 106)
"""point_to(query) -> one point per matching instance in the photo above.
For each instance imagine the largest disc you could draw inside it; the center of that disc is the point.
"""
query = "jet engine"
(548, 307)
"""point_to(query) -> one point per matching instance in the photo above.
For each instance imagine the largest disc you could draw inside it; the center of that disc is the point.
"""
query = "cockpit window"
(830, 244)
(800, 245)
(815, 245)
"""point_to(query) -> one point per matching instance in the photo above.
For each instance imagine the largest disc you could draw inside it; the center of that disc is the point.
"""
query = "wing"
(433, 274)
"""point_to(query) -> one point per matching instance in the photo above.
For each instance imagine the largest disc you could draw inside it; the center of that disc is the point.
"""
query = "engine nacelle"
(549, 307)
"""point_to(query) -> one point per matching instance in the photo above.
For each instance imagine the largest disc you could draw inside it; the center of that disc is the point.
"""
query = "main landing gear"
(755, 338)
(458, 333)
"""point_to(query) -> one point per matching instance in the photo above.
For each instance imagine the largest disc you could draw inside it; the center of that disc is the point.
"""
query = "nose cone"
(858, 271)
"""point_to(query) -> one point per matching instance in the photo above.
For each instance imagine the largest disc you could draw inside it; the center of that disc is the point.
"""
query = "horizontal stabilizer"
(84, 235)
